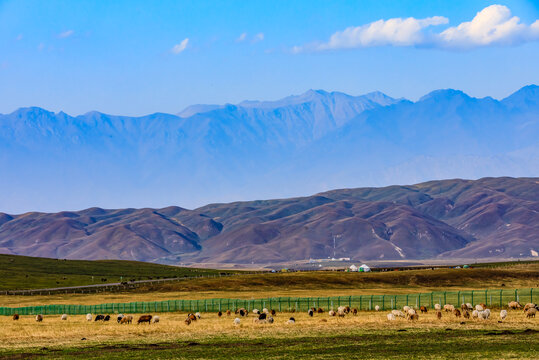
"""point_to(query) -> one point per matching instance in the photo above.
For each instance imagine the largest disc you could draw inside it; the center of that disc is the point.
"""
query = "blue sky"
(139, 57)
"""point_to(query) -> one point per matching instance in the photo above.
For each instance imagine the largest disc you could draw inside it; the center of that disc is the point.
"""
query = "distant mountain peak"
(444, 94)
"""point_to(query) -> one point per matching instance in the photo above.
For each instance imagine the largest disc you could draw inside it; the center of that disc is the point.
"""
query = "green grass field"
(22, 272)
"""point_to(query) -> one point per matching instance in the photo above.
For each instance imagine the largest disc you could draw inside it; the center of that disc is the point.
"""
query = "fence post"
(531, 295)
(360, 298)
(472, 299)
(501, 298)
(445, 297)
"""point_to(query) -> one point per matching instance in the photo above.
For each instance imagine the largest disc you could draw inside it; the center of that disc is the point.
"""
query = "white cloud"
(178, 48)
(66, 34)
(242, 37)
(493, 25)
(258, 37)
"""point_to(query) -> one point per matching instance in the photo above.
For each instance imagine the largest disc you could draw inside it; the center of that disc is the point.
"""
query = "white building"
(353, 268)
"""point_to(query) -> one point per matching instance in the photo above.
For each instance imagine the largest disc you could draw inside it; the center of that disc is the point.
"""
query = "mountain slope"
(490, 217)
(298, 145)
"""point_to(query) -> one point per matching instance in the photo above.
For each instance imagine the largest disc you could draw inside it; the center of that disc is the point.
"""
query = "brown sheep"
(273, 312)
(438, 314)
(528, 306)
(320, 310)
(15, 316)
(126, 319)
(39, 318)
(346, 309)
(354, 311)
(423, 309)
(228, 313)
(514, 305)
(414, 317)
(187, 321)
(144, 318)
(531, 313)
(219, 314)
(466, 314)
(457, 313)
(483, 306)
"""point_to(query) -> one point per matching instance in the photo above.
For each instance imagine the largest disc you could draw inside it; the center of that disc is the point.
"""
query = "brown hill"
(490, 217)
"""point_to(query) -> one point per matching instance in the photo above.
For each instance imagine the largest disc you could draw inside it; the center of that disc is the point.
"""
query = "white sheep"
(406, 308)
(377, 308)
(64, 317)
(398, 313)
(256, 311)
(479, 308)
(475, 314)
(437, 307)
(449, 308)
(265, 311)
(155, 319)
(237, 321)
(503, 314)
(391, 316)
(483, 315)
(332, 313)
(411, 312)
(469, 306)
(88, 317)
(197, 315)
(487, 311)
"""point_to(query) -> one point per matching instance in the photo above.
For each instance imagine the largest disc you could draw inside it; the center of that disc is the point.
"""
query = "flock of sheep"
(466, 311)
(267, 316)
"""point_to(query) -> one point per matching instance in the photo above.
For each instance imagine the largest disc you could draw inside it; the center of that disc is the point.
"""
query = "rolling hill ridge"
(485, 218)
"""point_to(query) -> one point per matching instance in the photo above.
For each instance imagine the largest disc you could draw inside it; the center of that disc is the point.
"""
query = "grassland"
(305, 284)
(368, 335)
(22, 272)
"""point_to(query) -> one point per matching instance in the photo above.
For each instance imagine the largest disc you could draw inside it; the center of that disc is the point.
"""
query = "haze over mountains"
(299, 145)
(449, 219)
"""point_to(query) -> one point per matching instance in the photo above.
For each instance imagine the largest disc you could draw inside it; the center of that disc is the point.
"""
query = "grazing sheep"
(398, 313)
(39, 318)
(479, 308)
(99, 317)
(439, 314)
(503, 314)
(514, 305)
(332, 313)
(475, 314)
(528, 306)
(423, 309)
(320, 310)
(291, 321)
(155, 319)
(270, 320)
(262, 316)
(107, 318)
(88, 317)
(15, 317)
(228, 312)
(346, 309)
(188, 321)
(126, 319)
(310, 312)
(391, 317)
(63, 317)
(406, 308)
(192, 317)
(219, 314)
(119, 318)
(265, 311)
(488, 312)
(377, 308)
(354, 311)
(437, 307)
(256, 311)
(483, 306)
(483, 315)
(469, 306)
(449, 308)
(531, 313)
(463, 307)
(457, 313)
(341, 311)
(466, 314)
(273, 312)
(411, 312)
(242, 312)
(197, 314)
(237, 321)
(144, 318)
(414, 317)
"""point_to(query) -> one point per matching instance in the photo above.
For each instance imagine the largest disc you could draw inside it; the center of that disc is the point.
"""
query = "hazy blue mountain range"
(298, 145)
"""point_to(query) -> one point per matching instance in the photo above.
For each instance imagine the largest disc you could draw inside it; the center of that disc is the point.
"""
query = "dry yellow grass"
(53, 332)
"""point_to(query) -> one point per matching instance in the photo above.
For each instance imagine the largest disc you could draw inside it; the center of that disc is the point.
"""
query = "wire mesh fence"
(490, 297)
